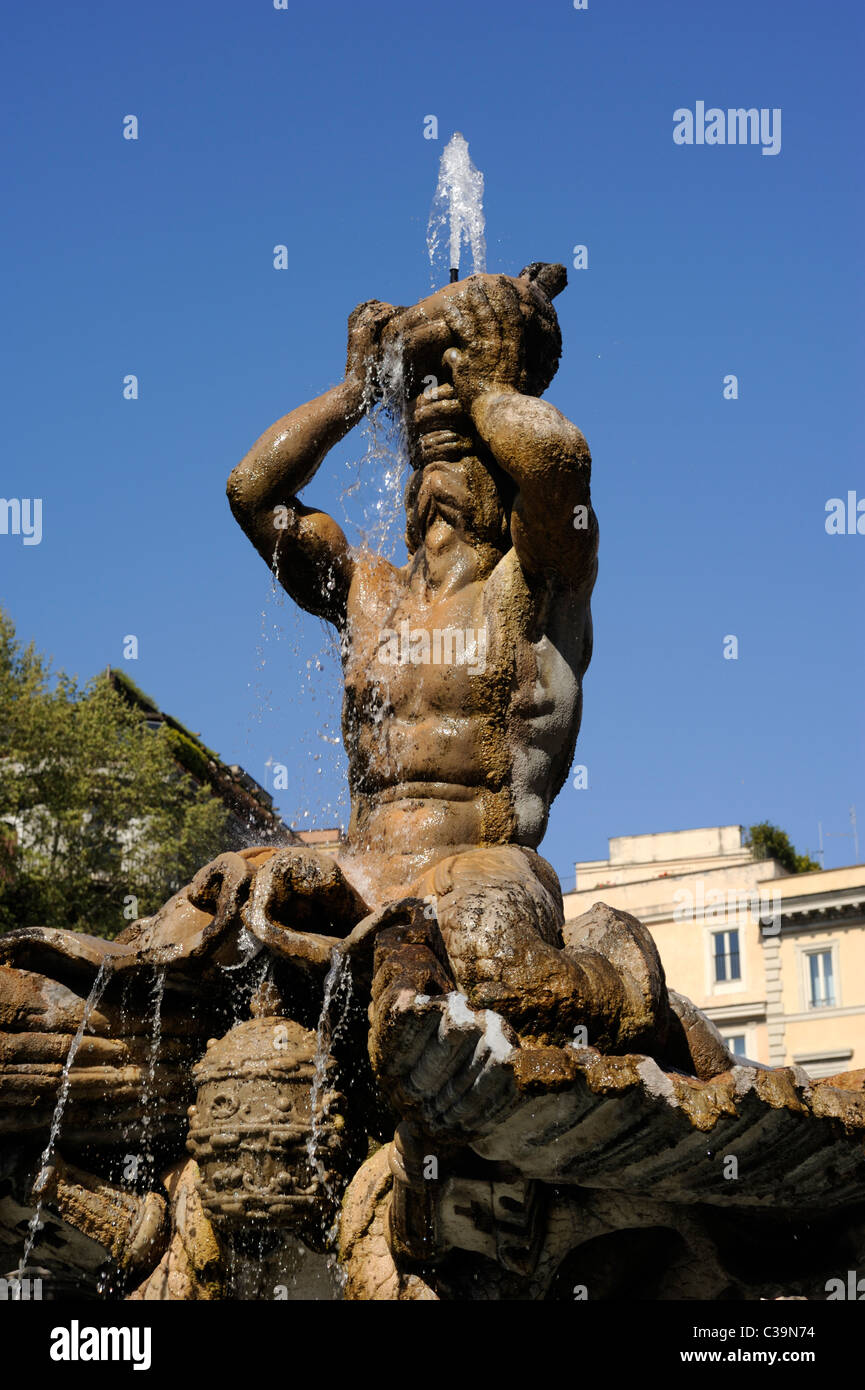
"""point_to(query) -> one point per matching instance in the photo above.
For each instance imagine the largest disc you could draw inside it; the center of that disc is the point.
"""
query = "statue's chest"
(468, 654)
(420, 660)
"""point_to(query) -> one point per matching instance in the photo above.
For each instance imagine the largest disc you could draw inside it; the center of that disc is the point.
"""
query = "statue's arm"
(553, 526)
(307, 548)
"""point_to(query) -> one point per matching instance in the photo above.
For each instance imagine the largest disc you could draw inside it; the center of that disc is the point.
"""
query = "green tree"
(767, 841)
(98, 822)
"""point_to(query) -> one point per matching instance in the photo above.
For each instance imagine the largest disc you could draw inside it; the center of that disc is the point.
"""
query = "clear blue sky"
(305, 127)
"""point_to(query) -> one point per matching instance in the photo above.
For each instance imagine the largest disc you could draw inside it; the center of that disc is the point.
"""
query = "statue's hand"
(439, 1061)
(366, 324)
(487, 324)
(442, 1064)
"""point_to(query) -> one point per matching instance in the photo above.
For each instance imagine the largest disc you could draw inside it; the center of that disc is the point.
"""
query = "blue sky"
(305, 127)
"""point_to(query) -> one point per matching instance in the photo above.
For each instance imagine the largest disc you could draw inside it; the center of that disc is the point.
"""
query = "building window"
(726, 954)
(736, 1044)
(821, 980)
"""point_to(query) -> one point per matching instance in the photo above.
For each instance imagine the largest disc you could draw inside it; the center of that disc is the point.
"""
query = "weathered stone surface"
(132, 1229)
(622, 1123)
(576, 1115)
(192, 1268)
(365, 1249)
(251, 1127)
(301, 905)
(501, 1237)
(294, 900)
(693, 1042)
(116, 1064)
(609, 937)
(90, 1227)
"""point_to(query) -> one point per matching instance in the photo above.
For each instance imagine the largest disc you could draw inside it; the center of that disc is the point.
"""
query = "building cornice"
(844, 907)
(810, 1015)
(736, 1013)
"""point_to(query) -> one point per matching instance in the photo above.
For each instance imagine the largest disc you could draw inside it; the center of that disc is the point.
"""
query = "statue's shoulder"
(375, 583)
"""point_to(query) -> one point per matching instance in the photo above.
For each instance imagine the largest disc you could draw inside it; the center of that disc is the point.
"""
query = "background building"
(328, 841)
(252, 819)
(776, 960)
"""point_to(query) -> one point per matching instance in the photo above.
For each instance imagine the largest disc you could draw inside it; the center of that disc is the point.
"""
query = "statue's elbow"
(239, 493)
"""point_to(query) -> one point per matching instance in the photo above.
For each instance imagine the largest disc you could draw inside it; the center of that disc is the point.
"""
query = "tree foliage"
(767, 841)
(98, 823)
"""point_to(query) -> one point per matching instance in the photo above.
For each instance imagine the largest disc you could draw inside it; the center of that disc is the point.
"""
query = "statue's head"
(423, 334)
(476, 496)
(468, 497)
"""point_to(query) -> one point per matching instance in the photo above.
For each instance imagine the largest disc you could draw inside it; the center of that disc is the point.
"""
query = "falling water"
(372, 502)
(246, 989)
(324, 1038)
(337, 982)
(122, 1030)
(62, 1097)
(148, 1090)
(457, 215)
(250, 946)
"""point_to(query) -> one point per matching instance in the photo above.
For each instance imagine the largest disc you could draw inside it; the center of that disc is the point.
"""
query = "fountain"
(399, 1073)
(457, 215)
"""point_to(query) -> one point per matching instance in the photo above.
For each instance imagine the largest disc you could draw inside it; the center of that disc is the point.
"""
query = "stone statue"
(499, 1103)
(453, 764)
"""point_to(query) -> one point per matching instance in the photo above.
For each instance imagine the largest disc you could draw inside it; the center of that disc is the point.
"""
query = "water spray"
(457, 214)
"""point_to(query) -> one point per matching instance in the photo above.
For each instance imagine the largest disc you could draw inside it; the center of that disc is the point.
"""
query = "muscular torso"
(453, 749)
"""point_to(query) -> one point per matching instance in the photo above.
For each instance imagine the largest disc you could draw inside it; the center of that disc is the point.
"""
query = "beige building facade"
(776, 960)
